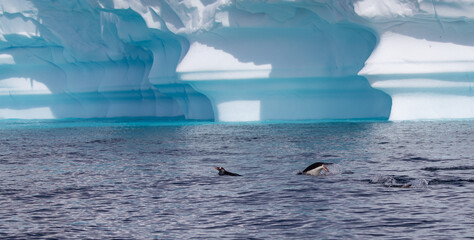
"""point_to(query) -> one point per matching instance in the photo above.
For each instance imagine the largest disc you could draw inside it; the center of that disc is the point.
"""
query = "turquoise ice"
(237, 60)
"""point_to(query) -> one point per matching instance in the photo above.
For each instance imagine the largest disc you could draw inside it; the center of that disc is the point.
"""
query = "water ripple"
(159, 181)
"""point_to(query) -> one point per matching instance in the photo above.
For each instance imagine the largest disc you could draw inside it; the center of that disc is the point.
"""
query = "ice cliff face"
(241, 60)
(425, 56)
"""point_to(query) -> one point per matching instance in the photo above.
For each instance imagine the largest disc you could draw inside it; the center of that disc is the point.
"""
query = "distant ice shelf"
(237, 60)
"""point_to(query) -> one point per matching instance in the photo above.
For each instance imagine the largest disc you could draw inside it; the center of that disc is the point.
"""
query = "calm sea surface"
(141, 179)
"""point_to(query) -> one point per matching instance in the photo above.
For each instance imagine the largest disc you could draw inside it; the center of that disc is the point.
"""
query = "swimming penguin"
(315, 168)
(222, 172)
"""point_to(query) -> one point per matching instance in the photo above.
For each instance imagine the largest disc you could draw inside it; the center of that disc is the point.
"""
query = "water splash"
(398, 181)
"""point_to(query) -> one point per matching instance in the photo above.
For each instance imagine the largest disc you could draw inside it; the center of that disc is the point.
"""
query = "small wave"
(398, 182)
(456, 181)
(434, 169)
(76, 153)
(416, 159)
(104, 141)
(419, 183)
(412, 158)
(404, 182)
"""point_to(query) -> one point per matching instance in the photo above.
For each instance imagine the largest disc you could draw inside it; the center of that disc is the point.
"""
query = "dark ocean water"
(116, 179)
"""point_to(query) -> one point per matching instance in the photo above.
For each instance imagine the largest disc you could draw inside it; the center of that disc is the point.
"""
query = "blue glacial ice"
(237, 60)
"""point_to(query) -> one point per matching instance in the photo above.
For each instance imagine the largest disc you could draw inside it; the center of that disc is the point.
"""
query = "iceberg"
(237, 60)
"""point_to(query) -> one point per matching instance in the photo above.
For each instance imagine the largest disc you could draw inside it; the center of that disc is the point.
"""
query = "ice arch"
(275, 72)
(91, 59)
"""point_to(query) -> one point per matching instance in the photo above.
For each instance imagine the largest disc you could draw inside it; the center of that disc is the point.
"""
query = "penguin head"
(221, 170)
